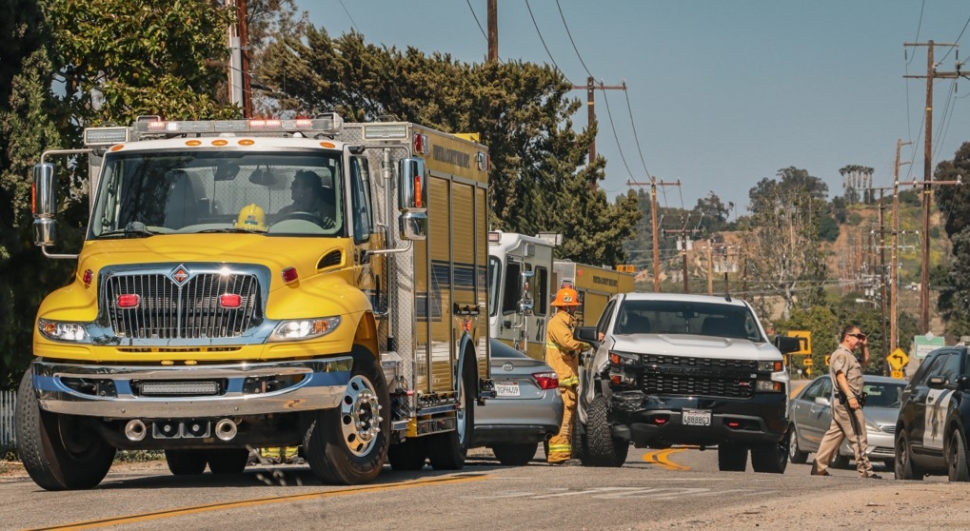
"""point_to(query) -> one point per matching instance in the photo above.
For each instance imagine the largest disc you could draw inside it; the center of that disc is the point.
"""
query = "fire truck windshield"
(276, 194)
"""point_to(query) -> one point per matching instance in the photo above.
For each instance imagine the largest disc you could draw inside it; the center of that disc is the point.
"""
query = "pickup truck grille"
(682, 375)
(195, 309)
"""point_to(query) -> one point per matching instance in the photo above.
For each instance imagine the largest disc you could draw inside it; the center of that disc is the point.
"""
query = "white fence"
(8, 400)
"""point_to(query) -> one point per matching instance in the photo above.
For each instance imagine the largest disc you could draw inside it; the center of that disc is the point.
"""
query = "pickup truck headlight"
(299, 329)
(770, 366)
(63, 331)
(624, 360)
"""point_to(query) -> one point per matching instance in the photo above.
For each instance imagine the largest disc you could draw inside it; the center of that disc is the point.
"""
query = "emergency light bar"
(153, 126)
(378, 131)
(105, 136)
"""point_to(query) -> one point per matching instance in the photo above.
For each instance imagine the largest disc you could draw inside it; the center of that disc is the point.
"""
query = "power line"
(480, 28)
(563, 17)
(634, 126)
(919, 26)
(613, 127)
(956, 42)
(536, 24)
(352, 23)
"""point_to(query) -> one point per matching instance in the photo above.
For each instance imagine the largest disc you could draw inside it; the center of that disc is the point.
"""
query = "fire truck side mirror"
(44, 204)
(414, 226)
(412, 188)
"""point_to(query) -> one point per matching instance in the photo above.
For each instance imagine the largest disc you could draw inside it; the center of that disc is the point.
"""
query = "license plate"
(696, 417)
(507, 389)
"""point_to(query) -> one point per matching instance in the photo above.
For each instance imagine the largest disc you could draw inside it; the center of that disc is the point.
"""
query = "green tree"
(954, 201)
(119, 59)
(786, 259)
(540, 178)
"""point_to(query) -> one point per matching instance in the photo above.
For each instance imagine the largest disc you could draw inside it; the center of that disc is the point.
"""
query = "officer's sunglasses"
(860, 336)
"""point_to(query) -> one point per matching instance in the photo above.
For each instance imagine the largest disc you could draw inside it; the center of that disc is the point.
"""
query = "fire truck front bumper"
(173, 392)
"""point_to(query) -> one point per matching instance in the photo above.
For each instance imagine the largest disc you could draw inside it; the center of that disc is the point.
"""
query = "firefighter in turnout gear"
(562, 354)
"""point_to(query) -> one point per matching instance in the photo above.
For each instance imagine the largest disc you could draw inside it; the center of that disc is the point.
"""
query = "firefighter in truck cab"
(562, 354)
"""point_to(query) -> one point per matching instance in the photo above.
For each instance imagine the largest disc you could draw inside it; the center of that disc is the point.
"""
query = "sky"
(720, 94)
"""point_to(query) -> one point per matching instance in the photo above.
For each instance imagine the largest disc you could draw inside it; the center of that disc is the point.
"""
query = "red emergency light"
(230, 300)
(128, 301)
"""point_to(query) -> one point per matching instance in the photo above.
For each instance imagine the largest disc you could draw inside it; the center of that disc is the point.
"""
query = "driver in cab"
(310, 197)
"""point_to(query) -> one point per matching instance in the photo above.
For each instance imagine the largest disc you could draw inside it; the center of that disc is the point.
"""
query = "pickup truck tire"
(515, 454)
(347, 445)
(905, 469)
(956, 458)
(59, 452)
(185, 462)
(732, 457)
(408, 455)
(447, 450)
(228, 460)
(795, 453)
(771, 458)
(602, 449)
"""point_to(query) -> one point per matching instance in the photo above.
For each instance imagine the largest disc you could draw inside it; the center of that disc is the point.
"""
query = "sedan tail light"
(546, 380)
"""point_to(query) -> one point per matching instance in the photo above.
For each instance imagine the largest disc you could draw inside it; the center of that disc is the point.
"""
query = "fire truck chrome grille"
(210, 305)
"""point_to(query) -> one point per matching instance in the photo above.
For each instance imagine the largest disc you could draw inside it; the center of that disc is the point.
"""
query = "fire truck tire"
(515, 454)
(228, 460)
(602, 449)
(447, 451)
(59, 452)
(408, 455)
(185, 462)
(347, 445)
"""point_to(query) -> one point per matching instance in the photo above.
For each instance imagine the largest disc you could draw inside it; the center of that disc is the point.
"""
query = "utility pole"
(684, 233)
(927, 199)
(653, 218)
(492, 31)
(710, 266)
(883, 295)
(590, 88)
(894, 255)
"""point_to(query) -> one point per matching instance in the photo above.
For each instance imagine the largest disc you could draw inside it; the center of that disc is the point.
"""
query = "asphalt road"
(677, 488)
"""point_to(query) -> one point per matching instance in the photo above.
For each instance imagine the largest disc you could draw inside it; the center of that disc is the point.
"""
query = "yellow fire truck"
(523, 278)
(241, 284)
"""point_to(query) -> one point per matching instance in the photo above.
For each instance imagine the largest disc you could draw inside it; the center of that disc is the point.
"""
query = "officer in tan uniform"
(848, 421)
(562, 354)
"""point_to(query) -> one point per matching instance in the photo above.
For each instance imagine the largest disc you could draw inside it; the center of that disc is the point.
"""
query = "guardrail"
(8, 402)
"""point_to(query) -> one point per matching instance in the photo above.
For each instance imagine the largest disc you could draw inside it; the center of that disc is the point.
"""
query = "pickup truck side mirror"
(936, 382)
(587, 334)
(788, 344)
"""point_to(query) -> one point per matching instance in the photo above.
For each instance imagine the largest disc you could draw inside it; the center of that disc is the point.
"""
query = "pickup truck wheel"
(905, 469)
(840, 462)
(515, 454)
(447, 450)
(228, 461)
(408, 455)
(580, 446)
(956, 458)
(602, 449)
(795, 453)
(59, 452)
(771, 458)
(185, 462)
(732, 457)
(347, 445)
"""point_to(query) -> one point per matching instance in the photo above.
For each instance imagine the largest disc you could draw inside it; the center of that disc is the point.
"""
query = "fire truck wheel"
(60, 452)
(408, 455)
(347, 445)
(228, 460)
(185, 462)
(448, 450)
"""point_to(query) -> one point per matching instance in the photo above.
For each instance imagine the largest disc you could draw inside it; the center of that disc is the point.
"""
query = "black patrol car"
(931, 431)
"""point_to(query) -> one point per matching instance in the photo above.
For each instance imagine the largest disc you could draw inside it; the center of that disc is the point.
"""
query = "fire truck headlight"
(304, 329)
(62, 331)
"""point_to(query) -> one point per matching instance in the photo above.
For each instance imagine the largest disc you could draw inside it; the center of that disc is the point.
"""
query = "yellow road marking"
(172, 513)
(662, 458)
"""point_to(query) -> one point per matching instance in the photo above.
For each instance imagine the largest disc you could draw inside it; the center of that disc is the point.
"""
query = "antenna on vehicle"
(727, 290)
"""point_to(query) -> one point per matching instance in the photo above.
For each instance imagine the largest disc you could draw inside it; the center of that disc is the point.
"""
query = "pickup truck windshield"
(152, 194)
(678, 317)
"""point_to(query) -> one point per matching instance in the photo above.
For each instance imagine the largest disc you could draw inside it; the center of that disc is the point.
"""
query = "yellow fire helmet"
(566, 297)
(251, 217)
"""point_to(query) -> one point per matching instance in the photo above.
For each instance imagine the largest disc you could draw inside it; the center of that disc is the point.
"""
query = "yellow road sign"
(804, 340)
(897, 374)
(807, 362)
(898, 359)
(827, 358)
